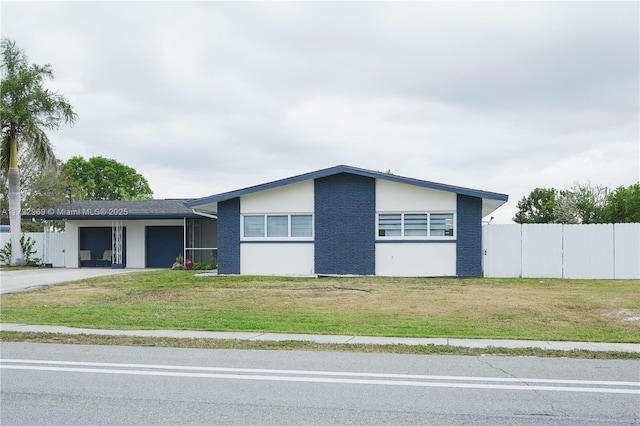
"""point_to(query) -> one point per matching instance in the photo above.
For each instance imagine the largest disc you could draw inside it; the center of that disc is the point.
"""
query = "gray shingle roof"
(122, 210)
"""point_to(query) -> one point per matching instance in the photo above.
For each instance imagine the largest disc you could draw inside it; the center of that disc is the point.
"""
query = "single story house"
(349, 221)
(133, 234)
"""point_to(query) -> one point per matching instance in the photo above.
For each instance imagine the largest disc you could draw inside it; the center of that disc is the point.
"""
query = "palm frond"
(39, 148)
(27, 108)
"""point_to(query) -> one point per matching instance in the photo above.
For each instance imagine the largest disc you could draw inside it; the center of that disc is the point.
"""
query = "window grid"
(277, 226)
(416, 225)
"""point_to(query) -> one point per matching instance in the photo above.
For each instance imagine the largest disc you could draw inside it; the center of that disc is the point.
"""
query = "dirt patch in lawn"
(624, 315)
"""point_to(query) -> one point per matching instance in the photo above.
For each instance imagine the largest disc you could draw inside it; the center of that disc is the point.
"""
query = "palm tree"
(27, 110)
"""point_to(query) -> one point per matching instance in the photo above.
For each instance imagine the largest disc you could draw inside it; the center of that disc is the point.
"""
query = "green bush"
(27, 250)
(201, 266)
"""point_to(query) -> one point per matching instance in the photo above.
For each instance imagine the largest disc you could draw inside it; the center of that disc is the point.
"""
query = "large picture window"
(277, 226)
(416, 225)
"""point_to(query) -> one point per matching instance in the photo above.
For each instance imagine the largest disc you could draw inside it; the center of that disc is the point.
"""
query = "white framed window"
(441, 224)
(301, 226)
(253, 226)
(277, 227)
(418, 225)
(390, 225)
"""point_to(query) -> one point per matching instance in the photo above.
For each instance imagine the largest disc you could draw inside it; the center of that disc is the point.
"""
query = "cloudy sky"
(206, 97)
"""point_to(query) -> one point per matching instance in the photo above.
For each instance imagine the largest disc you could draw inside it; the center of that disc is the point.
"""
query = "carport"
(134, 234)
(97, 248)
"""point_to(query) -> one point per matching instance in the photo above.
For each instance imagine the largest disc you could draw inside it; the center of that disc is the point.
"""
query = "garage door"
(164, 244)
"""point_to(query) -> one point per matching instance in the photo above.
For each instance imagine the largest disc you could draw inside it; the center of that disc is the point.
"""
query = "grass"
(582, 310)
(82, 339)
(18, 268)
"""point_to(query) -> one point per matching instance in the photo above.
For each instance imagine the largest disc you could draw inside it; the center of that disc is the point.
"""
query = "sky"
(207, 97)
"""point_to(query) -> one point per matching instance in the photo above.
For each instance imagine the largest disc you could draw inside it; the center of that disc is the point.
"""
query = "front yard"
(537, 309)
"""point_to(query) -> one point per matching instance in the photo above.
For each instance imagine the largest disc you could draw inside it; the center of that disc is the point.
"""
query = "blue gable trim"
(469, 228)
(229, 236)
(345, 211)
(349, 170)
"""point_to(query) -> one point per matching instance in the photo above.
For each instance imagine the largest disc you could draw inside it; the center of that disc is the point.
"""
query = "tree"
(27, 111)
(590, 201)
(623, 205)
(40, 188)
(541, 206)
(582, 203)
(106, 179)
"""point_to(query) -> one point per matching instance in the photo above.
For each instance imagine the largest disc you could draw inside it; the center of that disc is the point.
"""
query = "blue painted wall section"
(98, 239)
(469, 239)
(229, 236)
(345, 211)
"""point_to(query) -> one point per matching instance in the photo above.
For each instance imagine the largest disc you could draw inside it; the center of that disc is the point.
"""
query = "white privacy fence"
(562, 251)
(49, 246)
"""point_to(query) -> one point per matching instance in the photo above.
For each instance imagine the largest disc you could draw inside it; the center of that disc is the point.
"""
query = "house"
(133, 234)
(349, 221)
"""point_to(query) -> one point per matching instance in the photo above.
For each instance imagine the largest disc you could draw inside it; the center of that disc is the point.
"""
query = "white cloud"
(204, 97)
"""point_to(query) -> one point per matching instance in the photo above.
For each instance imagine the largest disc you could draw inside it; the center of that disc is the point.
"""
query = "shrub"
(27, 250)
(201, 266)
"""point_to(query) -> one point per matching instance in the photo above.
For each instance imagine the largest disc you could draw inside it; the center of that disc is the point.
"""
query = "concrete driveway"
(31, 279)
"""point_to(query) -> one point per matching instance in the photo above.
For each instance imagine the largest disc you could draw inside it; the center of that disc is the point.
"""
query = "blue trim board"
(345, 210)
(229, 237)
(469, 228)
(345, 170)
(277, 242)
(416, 241)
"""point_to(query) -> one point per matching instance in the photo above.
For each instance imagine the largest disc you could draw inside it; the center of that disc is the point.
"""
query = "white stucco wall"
(416, 259)
(276, 258)
(71, 241)
(397, 197)
(294, 198)
(136, 250)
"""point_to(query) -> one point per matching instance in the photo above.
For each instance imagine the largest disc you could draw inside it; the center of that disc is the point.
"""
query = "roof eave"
(214, 199)
(99, 217)
(490, 205)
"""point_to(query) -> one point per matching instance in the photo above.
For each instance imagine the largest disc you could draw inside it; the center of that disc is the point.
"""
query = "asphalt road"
(97, 385)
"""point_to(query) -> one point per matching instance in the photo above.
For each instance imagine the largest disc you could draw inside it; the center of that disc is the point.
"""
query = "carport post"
(116, 244)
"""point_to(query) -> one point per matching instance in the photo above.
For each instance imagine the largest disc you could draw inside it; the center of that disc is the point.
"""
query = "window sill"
(276, 240)
(416, 240)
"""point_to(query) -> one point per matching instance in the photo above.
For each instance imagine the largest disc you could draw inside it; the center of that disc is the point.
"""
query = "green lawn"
(583, 310)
